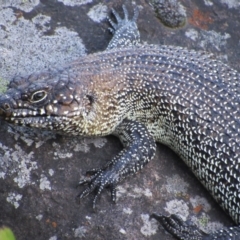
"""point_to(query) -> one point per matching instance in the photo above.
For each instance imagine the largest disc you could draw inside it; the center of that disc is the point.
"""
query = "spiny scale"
(143, 93)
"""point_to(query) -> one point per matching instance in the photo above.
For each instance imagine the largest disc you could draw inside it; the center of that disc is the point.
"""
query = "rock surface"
(39, 171)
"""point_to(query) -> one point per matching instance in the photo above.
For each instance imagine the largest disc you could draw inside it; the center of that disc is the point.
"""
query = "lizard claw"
(96, 183)
(121, 21)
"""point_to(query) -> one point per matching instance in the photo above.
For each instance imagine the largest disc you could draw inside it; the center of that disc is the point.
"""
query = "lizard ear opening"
(90, 99)
(89, 108)
(89, 103)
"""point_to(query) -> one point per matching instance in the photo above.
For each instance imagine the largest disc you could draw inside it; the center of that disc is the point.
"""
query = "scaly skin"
(142, 94)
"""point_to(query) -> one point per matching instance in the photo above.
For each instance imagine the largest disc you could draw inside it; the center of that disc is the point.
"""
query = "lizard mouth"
(23, 117)
(38, 121)
(11, 114)
(34, 119)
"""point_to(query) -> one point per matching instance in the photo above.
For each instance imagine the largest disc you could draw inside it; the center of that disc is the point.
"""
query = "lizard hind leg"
(184, 231)
(178, 228)
(125, 31)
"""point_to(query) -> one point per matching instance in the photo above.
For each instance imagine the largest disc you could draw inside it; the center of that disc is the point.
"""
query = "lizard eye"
(38, 96)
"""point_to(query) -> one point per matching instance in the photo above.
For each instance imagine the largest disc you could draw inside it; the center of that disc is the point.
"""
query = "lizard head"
(52, 101)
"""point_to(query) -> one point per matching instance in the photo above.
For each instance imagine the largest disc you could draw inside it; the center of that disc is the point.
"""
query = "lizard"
(143, 94)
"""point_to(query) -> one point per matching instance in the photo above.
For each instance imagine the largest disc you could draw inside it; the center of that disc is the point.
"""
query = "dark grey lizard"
(142, 94)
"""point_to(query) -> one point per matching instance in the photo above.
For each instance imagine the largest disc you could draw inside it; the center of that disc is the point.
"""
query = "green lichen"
(3, 85)
(204, 221)
(6, 234)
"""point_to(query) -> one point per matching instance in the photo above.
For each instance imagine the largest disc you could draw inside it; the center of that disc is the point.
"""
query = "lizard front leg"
(139, 149)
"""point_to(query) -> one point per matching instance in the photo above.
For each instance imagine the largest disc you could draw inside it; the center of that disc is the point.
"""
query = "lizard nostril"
(6, 106)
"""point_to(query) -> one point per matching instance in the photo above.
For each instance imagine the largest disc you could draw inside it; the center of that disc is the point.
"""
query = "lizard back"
(187, 100)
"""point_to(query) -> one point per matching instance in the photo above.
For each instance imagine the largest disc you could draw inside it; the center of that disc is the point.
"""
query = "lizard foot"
(122, 21)
(125, 31)
(184, 231)
(178, 228)
(98, 179)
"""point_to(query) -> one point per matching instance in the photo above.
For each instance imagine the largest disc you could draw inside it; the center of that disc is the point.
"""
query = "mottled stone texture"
(39, 171)
(170, 12)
